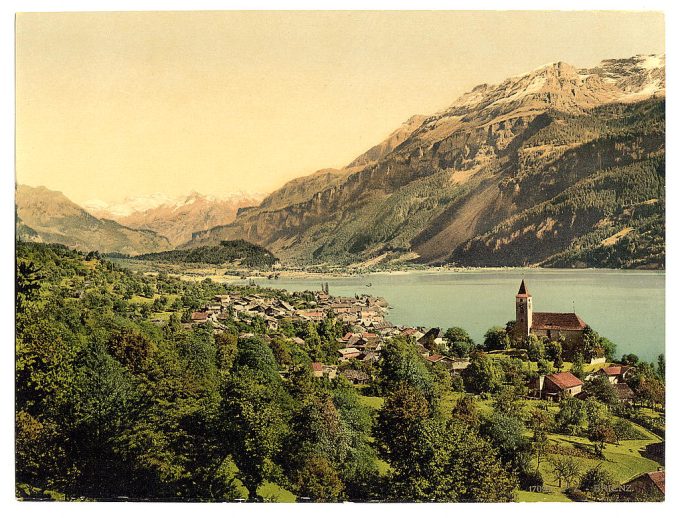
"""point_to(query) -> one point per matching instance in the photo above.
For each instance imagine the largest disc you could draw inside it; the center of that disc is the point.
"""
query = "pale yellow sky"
(116, 104)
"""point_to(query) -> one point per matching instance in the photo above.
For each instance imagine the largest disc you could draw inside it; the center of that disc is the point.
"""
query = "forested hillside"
(493, 180)
(236, 251)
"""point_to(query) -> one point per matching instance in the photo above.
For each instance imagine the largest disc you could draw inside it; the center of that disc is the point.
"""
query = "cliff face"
(544, 168)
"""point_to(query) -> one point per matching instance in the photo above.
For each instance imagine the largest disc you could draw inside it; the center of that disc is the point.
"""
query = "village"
(367, 317)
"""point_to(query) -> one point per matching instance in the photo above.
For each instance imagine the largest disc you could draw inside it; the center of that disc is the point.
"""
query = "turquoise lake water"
(625, 306)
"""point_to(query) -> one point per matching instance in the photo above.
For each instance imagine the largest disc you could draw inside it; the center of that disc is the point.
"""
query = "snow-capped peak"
(144, 202)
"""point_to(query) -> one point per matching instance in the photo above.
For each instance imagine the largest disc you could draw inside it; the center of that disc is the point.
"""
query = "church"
(553, 326)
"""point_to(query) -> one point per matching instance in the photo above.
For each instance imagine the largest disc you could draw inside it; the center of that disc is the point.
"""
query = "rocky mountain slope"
(176, 218)
(559, 167)
(49, 216)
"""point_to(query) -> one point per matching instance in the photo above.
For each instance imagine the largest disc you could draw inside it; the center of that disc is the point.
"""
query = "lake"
(625, 306)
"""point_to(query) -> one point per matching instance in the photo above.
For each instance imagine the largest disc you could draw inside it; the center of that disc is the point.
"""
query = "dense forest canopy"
(239, 250)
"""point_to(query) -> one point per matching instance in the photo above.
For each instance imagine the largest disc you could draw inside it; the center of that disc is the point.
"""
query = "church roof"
(523, 290)
(558, 321)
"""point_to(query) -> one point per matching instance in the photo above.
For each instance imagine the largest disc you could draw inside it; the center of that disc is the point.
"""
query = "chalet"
(317, 369)
(410, 331)
(284, 305)
(556, 386)
(355, 377)
(624, 392)
(567, 326)
(369, 356)
(222, 299)
(435, 358)
(458, 366)
(348, 353)
(648, 487)
(199, 317)
(311, 315)
(433, 337)
(616, 373)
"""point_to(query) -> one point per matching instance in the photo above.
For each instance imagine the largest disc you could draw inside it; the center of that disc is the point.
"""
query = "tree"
(577, 366)
(535, 348)
(318, 481)
(565, 468)
(553, 350)
(571, 417)
(558, 364)
(600, 429)
(496, 338)
(661, 366)
(506, 433)
(630, 359)
(436, 460)
(506, 402)
(482, 375)
(401, 363)
(540, 422)
(544, 367)
(254, 426)
(226, 345)
(28, 281)
(600, 388)
(466, 410)
(598, 483)
(459, 342)
(400, 425)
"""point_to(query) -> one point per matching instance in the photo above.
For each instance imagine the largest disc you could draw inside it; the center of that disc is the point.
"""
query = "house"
(410, 331)
(647, 487)
(567, 326)
(199, 317)
(355, 376)
(297, 340)
(433, 337)
(624, 392)
(370, 356)
(311, 315)
(317, 369)
(284, 305)
(616, 373)
(557, 386)
(435, 358)
(348, 353)
(458, 366)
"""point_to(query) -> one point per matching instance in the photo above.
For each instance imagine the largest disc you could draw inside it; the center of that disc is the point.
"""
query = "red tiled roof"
(557, 321)
(199, 315)
(434, 358)
(613, 370)
(564, 380)
(659, 479)
(316, 366)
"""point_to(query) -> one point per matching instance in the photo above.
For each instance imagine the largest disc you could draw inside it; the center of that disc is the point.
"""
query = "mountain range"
(175, 218)
(557, 167)
(43, 215)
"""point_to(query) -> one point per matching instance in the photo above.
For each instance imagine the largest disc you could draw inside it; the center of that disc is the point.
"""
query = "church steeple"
(523, 311)
(523, 289)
